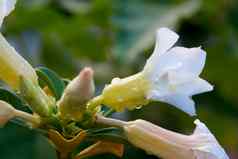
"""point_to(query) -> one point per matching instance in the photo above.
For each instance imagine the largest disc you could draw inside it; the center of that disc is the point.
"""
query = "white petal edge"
(192, 59)
(210, 150)
(186, 85)
(180, 59)
(165, 39)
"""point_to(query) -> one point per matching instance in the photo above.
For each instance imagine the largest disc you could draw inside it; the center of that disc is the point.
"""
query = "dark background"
(115, 37)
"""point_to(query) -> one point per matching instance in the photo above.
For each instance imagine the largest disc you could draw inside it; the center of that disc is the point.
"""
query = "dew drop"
(139, 107)
(119, 99)
(115, 80)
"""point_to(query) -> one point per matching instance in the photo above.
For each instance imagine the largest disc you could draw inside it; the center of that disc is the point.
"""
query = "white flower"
(170, 145)
(12, 64)
(6, 6)
(170, 75)
(174, 72)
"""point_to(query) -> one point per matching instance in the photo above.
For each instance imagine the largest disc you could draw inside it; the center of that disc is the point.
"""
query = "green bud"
(36, 97)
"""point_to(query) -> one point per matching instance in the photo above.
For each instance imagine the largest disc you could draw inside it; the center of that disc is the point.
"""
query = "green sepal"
(52, 80)
(110, 133)
(35, 97)
(13, 99)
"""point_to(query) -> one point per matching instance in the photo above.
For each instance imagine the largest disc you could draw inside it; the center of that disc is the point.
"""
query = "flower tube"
(12, 64)
(8, 112)
(170, 145)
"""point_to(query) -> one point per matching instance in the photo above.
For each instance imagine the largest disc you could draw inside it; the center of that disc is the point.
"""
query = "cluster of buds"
(170, 75)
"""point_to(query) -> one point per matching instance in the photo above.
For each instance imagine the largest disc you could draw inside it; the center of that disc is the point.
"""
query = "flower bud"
(7, 112)
(170, 145)
(77, 93)
(13, 66)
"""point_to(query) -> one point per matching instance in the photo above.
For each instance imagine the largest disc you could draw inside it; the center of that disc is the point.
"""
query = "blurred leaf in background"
(115, 37)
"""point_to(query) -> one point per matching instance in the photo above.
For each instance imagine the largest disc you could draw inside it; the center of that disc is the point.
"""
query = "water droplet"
(115, 80)
(119, 99)
(139, 107)
(135, 89)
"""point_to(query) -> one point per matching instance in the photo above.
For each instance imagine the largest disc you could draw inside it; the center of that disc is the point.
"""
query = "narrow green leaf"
(111, 133)
(52, 80)
(11, 98)
(107, 111)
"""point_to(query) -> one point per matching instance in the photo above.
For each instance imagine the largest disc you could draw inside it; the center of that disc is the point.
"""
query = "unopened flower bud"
(7, 112)
(13, 66)
(77, 93)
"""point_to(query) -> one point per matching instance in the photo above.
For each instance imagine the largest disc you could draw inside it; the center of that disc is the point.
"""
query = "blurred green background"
(115, 37)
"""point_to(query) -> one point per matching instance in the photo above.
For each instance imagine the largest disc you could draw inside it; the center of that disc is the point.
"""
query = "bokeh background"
(115, 37)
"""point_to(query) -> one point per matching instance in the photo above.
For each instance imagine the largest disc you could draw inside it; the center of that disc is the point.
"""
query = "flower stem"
(28, 117)
(109, 121)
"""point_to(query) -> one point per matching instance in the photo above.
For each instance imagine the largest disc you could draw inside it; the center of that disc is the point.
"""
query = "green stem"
(109, 112)
(109, 121)
(28, 117)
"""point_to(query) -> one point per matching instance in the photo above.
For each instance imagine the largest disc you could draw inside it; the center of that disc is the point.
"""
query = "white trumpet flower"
(170, 75)
(6, 6)
(174, 72)
(12, 64)
(170, 145)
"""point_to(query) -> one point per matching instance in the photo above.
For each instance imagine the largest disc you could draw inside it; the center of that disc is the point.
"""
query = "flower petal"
(182, 60)
(210, 149)
(180, 101)
(13, 65)
(192, 59)
(6, 6)
(200, 127)
(188, 84)
(165, 39)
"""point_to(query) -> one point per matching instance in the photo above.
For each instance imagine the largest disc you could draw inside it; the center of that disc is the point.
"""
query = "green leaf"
(52, 80)
(111, 133)
(11, 98)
